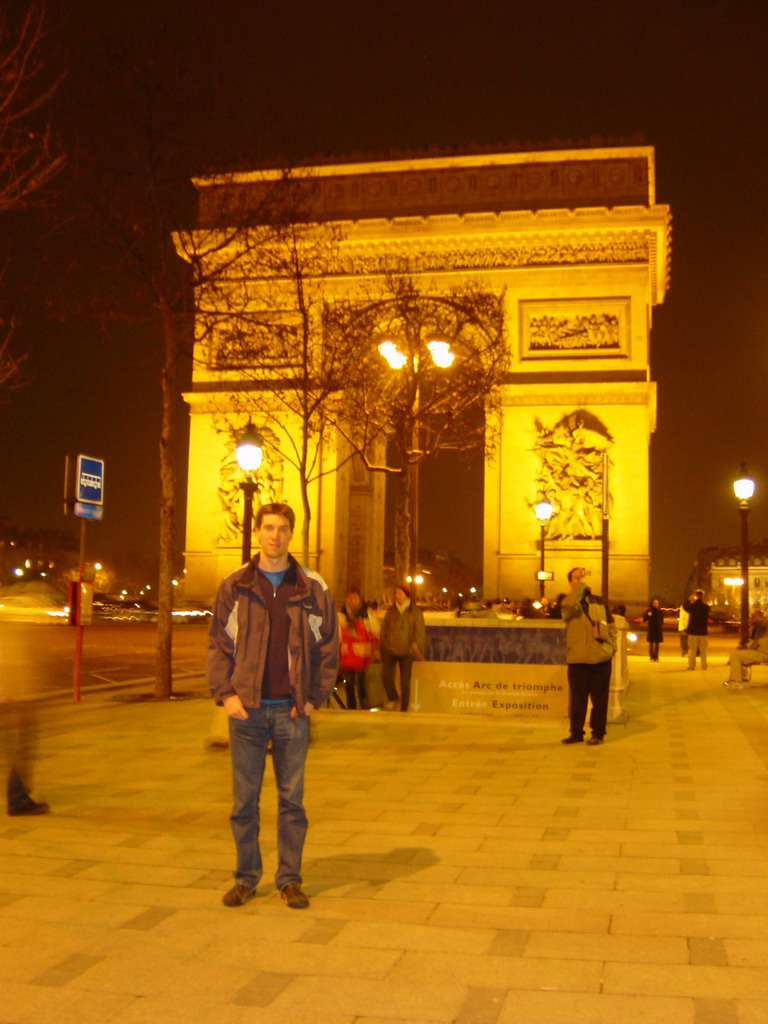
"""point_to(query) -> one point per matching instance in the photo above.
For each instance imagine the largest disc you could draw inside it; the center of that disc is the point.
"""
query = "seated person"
(755, 653)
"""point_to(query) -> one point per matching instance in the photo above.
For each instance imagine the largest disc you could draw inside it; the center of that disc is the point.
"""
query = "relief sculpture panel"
(572, 454)
(577, 328)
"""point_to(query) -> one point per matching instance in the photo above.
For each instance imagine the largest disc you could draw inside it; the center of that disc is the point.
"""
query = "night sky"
(301, 79)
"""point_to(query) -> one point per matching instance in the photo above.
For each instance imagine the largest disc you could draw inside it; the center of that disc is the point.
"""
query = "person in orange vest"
(359, 645)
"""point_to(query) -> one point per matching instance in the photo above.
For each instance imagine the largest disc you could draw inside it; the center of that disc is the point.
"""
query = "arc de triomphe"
(576, 242)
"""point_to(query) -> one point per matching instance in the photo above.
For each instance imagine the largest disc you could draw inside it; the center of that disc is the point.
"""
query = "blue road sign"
(86, 511)
(89, 484)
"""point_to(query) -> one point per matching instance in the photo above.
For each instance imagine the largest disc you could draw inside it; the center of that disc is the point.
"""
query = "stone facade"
(576, 243)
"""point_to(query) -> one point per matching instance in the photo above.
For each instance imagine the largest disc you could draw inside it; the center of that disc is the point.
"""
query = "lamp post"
(543, 510)
(744, 488)
(249, 451)
(440, 353)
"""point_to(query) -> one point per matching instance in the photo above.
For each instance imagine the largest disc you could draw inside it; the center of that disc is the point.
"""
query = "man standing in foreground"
(590, 641)
(273, 656)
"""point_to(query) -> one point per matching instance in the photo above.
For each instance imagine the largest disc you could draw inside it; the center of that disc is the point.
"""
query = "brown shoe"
(238, 895)
(294, 896)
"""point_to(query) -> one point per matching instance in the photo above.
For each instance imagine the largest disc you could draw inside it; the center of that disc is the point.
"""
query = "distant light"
(249, 449)
(418, 579)
(18, 572)
(393, 355)
(174, 583)
(632, 637)
(440, 352)
(445, 590)
(543, 510)
(473, 590)
(734, 581)
(97, 566)
(744, 487)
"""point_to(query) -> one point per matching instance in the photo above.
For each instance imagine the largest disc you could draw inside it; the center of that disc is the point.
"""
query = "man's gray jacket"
(239, 634)
(581, 608)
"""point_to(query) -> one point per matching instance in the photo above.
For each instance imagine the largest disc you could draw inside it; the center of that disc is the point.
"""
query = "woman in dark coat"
(655, 619)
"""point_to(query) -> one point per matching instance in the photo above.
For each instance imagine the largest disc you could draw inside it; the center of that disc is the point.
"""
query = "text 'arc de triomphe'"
(579, 248)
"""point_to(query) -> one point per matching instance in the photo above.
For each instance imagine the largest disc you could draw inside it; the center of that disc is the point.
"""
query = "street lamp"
(249, 450)
(744, 488)
(441, 355)
(543, 510)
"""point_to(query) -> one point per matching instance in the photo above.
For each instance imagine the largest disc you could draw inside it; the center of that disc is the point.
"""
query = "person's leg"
(578, 687)
(349, 687)
(683, 644)
(703, 651)
(289, 753)
(735, 667)
(599, 690)
(360, 683)
(693, 649)
(388, 662)
(406, 663)
(738, 662)
(248, 745)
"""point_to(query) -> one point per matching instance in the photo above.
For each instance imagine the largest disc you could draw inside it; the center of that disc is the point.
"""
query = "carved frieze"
(505, 181)
(534, 254)
(574, 328)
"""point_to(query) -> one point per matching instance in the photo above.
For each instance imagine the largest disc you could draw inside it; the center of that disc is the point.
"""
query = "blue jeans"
(248, 744)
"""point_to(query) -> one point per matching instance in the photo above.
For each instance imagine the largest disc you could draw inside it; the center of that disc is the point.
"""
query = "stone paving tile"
(609, 948)
(578, 1008)
(417, 998)
(175, 1008)
(725, 926)
(481, 968)
(696, 981)
(38, 1004)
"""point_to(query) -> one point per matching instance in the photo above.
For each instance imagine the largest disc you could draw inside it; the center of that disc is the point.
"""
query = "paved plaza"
(459, 870)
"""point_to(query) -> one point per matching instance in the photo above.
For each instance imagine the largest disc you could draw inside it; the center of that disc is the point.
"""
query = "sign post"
(84, 494)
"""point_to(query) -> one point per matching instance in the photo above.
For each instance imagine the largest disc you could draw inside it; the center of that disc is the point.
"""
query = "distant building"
(724, 583)
(35, 554)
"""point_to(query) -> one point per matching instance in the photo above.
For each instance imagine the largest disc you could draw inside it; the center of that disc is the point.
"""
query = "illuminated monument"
(578, 246)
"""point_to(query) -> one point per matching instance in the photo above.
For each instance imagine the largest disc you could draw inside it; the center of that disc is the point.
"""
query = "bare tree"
(139, 187)
(432, 402)
(261, 320)
(29, 154)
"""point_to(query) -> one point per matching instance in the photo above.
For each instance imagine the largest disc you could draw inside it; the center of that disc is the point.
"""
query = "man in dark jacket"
(273, 656)
(403, 634)
(698, 619)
